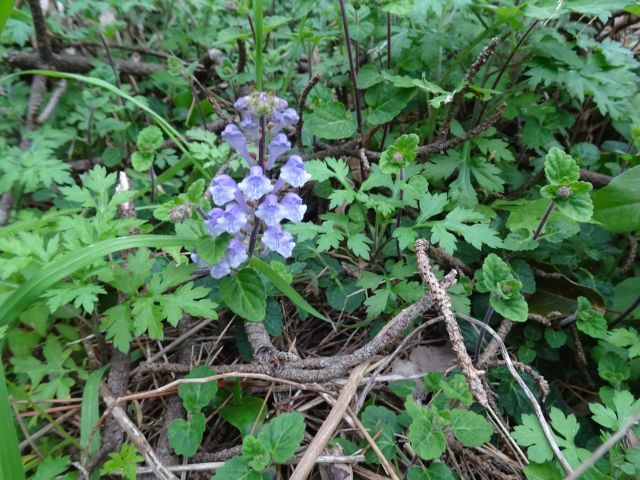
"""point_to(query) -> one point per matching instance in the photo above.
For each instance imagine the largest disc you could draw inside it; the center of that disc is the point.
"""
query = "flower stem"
(352, 67)
(543, 220)
(258, 17)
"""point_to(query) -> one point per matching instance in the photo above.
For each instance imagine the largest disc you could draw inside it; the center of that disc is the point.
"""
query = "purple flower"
(270, 211)
(294, 173)
(233, 219)
(237, 140)
(236, 253)
(242, 104)
(276, 239)
(292, 207)
(279, 145)
(282, 120)
(220, 269)
(223, 189)
(251, 127)
(211, 221)
(255, 185)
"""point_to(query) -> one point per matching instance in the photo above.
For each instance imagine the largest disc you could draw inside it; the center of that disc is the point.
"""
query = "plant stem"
(258, 17)
(352, 68)
(543, 220)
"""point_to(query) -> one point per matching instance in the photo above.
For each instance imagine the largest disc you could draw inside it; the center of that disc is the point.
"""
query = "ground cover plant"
(319, 239)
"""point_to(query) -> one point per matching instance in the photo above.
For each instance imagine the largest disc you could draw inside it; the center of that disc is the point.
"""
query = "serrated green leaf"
(399, 154)
(185, 436)
(471, 429)
(589, 321)
(283, 435)
(196, 396)
(330, 121)
(245, 295)
(211, 249)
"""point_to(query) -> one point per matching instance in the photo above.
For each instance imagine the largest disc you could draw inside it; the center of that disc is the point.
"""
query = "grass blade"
(176, 136)
(285, 288)
(90, 411)
(10, 460)
(5, 10)
(56, 271)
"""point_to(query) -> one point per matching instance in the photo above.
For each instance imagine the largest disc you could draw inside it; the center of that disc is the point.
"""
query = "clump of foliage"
(208, 213)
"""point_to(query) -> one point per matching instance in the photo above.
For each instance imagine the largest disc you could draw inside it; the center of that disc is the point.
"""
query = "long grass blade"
(5, 10)
(10, 460)
(171, 132)
(56, 271)
(90, 411)
(279, 282)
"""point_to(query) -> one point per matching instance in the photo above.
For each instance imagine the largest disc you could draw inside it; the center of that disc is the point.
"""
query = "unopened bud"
(180, 213)
(564, 192)
(397, 157)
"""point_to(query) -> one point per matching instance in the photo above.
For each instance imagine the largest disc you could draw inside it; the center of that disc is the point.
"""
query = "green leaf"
(118, 323)
(255, 450)
(51, 468)
(435, 471)
(471, 429)
(90, 411)
(496, 278)
(211, 249)
(359, 244)
(570, 196)
(330, 121)
(196, 191)
(142, 161)
(618, 410)
(519, 241)
(477, 234)
(245, 295)
(530, 435)
(150, 139)
(560, 168)
(278, 282)
(617, 206)
(185, 436)
(400, 154)
(237, 468)
(283, 435)
(245, 413)
(196, 396)
(125, 462)
(613, 368)
(387, 102)
(427, 441)
(589, 321)
(627, 338)
(382, 424)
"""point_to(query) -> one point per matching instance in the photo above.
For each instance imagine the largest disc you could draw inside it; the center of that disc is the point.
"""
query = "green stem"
(258, 17)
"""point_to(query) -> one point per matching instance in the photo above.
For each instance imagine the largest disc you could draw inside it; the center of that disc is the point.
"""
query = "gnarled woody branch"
(441, 298)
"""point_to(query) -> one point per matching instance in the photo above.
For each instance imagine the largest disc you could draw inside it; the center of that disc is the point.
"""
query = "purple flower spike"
(292, 207)
(294, 173)
(255, 185)
(223, 189)
(279, 145)
(233, 219)
(270, 211)
(278, 240)
(236, 253)
(212, 221)
(220, 269)
(237, 140)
